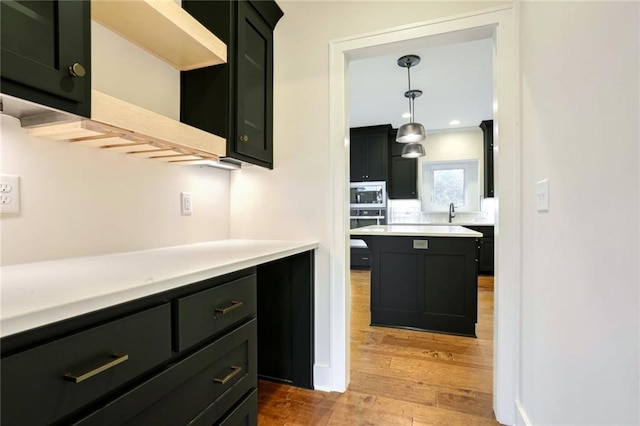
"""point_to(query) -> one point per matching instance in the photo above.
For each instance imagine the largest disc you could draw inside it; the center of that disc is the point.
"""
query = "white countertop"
(454, 223)
(36, 294)
(416, 231)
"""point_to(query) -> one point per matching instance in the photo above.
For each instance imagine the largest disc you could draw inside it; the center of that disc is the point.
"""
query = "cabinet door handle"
(232, 307)
(77, 70)
(244, 138)
(235, 370)
(116, 359)
(365, 258)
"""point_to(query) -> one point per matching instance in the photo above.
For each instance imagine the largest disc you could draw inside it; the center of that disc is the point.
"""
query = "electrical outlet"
(9, 194)
(186, 204)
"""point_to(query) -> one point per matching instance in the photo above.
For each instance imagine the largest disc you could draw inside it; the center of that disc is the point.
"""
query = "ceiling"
(456, 80)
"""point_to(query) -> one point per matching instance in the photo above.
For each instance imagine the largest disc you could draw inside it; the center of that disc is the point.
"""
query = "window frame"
(471, 184)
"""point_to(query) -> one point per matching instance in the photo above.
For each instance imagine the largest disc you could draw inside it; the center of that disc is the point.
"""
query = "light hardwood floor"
(398, 377)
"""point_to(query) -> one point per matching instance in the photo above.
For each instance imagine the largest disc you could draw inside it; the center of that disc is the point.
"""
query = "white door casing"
(501, 25)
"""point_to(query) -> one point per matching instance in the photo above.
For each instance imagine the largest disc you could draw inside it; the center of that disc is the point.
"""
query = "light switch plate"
(186, 204)
(542, 195)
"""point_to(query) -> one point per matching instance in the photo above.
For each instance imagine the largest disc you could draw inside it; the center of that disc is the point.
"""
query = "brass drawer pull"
(116, 359)
(235, 371)
(234, 305)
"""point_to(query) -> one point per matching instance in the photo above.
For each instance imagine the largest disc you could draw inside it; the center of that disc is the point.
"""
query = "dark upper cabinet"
(402, 183)
(369, 153)
(44, 43)
(487, 130)
(235, 100)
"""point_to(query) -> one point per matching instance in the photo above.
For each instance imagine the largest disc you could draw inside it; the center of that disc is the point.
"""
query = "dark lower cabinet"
(191, 355)
(57, 375)
(432, 288)
(235, 100)
(285, 326)
(46, 53)
(245, 414)
(199, 389)
(360, 258)
(486, 249)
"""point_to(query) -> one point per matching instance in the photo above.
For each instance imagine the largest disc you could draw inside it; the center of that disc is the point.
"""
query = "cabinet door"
(376, 157)
(485, 255)
(487, 129)
(403, 175)
(285, 320)
(369, 153)
(41, 40)
(356, 157)
(254, 122)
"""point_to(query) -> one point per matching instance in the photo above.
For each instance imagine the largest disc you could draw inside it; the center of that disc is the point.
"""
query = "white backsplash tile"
(408, 211)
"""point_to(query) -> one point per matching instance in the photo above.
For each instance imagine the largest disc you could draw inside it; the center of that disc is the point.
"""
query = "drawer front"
(360, 258)
(209, 312)
(209, 381)
(245, 414)
(442, 245)
(48, 382)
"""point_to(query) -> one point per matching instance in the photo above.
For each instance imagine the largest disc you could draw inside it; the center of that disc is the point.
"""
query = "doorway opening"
(498, 24)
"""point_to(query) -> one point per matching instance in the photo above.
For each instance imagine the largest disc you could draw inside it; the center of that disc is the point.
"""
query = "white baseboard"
(521, 416)
(322, 377)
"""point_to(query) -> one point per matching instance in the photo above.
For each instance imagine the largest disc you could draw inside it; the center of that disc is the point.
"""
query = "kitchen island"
(162, 336)
(423, 277)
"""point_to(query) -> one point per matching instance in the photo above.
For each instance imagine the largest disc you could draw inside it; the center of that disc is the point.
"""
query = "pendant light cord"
(412, 97)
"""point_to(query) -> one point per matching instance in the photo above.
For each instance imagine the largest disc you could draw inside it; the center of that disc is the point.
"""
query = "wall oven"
(368, 195)
(366, 217)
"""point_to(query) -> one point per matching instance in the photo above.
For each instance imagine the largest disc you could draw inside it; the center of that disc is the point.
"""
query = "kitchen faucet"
(452, 212)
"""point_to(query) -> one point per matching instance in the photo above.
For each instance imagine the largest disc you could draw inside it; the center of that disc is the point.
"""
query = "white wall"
(465, 144)
(80, 201)
(448, 146)
(580, 300)
(293, 200)
(579, 127)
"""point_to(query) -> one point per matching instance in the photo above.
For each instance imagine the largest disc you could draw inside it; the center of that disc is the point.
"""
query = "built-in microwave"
(368, 195)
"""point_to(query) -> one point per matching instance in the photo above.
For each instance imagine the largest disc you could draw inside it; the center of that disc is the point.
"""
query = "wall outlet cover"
(186, 204)
(9, 194)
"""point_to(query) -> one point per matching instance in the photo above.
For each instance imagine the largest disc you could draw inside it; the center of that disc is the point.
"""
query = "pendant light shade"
(411, 132)
(413, 150)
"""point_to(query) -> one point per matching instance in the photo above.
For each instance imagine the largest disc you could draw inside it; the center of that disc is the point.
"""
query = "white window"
(446, 182)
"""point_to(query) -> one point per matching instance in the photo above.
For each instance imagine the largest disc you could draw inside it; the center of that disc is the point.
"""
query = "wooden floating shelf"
(118, 126)
(164, 29)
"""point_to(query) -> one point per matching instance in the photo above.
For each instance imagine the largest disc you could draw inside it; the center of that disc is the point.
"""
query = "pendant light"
(413, 150)
(411, 133)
